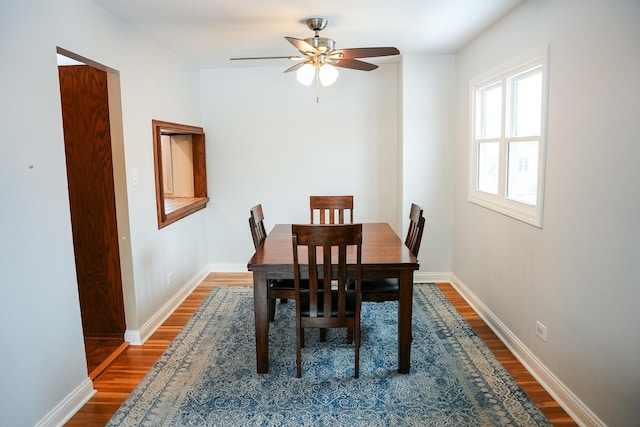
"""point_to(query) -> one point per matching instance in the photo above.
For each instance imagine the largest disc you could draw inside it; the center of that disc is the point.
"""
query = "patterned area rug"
(207, 375)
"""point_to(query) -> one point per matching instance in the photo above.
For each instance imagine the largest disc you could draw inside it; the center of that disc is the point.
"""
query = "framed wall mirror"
(181, 171)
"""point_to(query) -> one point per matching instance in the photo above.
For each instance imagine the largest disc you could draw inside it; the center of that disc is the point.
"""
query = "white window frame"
(528, 213)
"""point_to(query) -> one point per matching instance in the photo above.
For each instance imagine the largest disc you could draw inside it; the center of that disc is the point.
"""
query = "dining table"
(384, 255)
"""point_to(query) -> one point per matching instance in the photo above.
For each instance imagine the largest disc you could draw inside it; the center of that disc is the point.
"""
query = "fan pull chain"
(317, 85)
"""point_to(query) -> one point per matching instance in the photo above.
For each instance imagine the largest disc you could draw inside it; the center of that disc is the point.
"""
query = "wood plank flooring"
(551, 409)
(119, 379)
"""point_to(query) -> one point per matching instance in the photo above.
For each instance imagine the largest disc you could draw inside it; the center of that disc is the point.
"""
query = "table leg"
(261, 309)
(405, 311)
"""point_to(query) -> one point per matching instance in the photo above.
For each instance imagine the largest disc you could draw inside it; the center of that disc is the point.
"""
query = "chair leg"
(357, 352)
(349, 335)
(299, 340)
(323, 335)
(272, 309)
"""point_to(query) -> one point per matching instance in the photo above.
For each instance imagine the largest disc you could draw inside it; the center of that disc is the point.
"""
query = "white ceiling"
(209, 32)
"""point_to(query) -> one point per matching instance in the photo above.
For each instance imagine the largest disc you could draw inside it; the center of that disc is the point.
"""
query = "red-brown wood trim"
(199, 170)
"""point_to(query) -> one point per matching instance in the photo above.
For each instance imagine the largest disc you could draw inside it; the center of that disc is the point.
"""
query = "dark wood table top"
(381, 248)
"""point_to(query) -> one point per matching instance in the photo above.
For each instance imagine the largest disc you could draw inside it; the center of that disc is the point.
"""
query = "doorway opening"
(94, 149)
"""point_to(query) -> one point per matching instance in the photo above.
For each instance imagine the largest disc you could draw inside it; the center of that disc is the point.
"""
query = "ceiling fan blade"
(366, 52)
(303, 46)
(293, 58)
(296, 67)
(355, 64)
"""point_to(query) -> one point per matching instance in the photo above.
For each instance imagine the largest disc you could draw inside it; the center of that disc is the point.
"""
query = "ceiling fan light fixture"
(328, 74)
(305, 74)
(319, 58)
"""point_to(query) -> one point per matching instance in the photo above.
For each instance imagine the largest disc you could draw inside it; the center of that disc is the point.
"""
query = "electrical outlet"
(541, 331)
(169, 278)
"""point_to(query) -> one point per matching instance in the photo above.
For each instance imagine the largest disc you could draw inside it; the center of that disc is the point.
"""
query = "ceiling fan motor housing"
(323, 44)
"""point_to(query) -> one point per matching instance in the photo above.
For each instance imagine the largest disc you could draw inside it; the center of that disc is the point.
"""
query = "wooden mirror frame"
(200, 198)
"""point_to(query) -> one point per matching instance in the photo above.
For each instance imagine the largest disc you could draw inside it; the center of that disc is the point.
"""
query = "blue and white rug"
(207, 376)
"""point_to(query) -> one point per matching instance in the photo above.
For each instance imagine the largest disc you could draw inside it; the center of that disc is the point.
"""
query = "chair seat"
(282, 284)
(380, 285)
(350, 304)
(379, 290)
(282, 287)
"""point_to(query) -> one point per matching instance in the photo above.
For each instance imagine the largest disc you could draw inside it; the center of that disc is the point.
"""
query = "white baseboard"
(133, 337)
(418, 276)
(430, 277)
(138, 337)
(561, 393)
(228, 268)
(69, 406)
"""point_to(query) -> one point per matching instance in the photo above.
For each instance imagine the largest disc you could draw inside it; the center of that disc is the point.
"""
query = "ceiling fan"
(319, 56)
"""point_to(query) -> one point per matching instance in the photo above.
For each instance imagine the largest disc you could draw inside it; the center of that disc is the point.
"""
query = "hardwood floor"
(117, 381)
(100, 353)
(529, 384)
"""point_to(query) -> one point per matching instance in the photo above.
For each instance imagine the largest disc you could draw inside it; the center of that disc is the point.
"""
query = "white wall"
(579, 274)
(428, 98)
(42, 364)
(269, 142)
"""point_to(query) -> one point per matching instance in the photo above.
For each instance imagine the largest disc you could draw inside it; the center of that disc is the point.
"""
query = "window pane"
(488, 157)
(522, 172)
(527, 104)
(489, 116)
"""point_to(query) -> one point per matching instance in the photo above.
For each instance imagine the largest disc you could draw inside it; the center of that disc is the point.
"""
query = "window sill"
(529, 214)
(177, 208)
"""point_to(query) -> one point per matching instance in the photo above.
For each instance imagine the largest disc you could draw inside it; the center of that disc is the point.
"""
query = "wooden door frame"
(120, 187)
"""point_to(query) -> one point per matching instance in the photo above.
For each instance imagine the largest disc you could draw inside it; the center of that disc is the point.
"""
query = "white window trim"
(531, 214)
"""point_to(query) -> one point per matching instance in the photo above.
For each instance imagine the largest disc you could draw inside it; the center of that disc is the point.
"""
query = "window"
(181, 178)
(508, 144)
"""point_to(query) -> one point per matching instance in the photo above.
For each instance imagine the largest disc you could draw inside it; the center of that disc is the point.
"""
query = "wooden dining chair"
(331, 209)
(327, 302)
(282, 289)
(388, 289)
